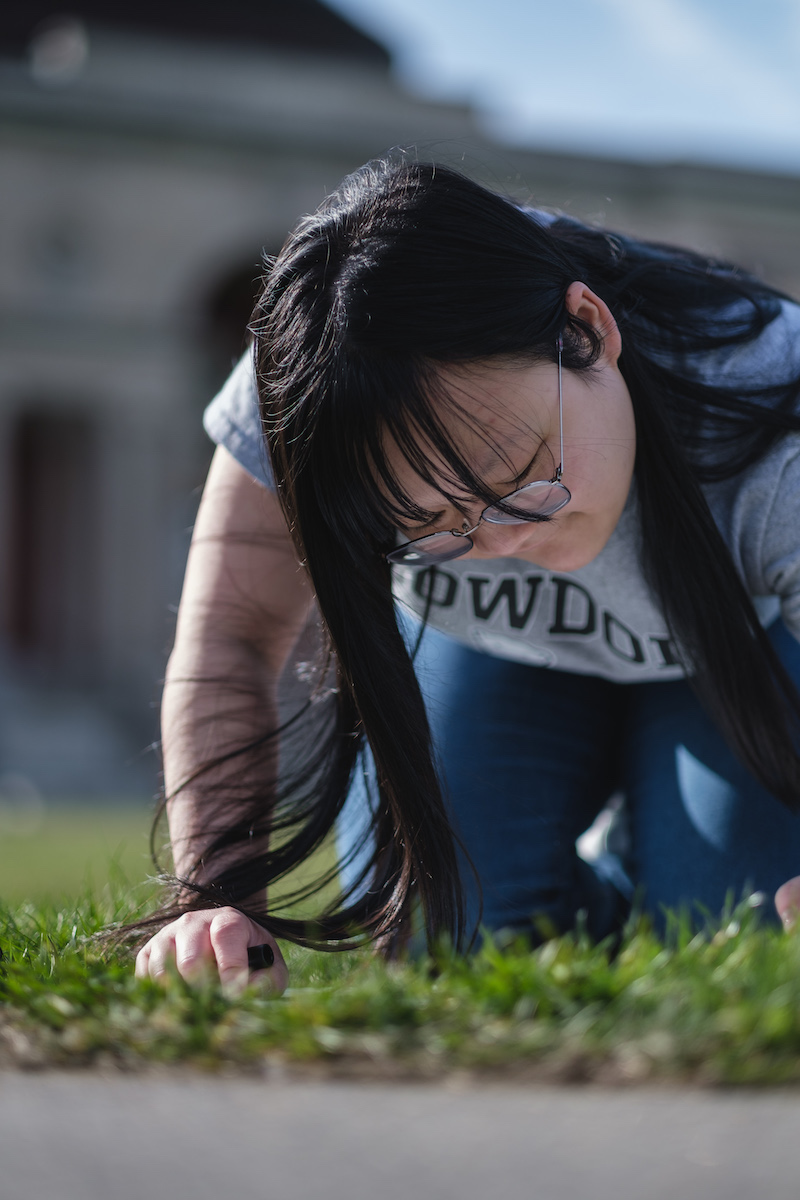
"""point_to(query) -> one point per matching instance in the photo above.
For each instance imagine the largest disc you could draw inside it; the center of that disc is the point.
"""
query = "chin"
(564, 558)
(579, 544)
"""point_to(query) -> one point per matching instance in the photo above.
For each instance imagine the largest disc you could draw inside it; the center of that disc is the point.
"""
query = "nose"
(502, 540)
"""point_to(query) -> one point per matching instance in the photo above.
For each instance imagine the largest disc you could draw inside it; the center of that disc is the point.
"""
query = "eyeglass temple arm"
(559, 469)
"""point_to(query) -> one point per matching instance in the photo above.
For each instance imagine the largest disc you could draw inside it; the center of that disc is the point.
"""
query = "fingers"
(194, 954)
(231, 937)
(199, 941)
(142, 969)
(152, 959)
(275, 977)
(787, 902)
(229, 934)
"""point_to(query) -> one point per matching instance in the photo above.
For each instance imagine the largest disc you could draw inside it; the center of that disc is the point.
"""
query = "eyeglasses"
(539, 499)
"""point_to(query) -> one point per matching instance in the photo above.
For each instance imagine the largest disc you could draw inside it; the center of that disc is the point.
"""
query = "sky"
(698, 80)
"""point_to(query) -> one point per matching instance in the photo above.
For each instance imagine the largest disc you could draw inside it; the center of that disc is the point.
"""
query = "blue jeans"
(529, 757)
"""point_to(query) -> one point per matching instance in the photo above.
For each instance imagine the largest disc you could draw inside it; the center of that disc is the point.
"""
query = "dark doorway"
(228, 312)
(54, 610)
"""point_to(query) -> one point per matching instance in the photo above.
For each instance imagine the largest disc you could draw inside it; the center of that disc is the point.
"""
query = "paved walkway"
(85, 1137)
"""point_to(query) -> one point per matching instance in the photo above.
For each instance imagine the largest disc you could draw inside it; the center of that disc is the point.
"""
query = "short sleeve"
(770, 499)
(780, 552)
(772, 359)
(232, 420)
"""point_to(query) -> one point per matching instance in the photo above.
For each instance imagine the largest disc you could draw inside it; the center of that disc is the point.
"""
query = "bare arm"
(245, 601)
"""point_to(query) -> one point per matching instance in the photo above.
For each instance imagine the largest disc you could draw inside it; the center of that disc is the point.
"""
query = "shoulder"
(767, 360)
(232, 420)
(758, 515)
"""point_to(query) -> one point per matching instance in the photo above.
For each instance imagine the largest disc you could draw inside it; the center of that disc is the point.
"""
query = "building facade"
(144, 165)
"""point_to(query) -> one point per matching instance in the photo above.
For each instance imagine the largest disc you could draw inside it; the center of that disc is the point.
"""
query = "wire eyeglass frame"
(420, 552)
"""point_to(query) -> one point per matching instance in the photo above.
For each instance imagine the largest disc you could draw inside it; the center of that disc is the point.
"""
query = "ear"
(583, 303)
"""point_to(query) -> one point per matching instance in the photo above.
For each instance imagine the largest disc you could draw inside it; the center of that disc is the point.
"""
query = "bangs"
(396, 418)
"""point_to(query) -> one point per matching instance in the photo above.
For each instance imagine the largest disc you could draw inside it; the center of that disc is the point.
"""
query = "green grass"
(722, 1007)
(56, 858)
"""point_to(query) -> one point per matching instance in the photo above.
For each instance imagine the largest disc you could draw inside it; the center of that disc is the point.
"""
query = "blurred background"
(149, 152)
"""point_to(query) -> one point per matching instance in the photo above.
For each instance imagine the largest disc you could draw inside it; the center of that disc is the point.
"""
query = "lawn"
(719, 1007)
(69, 847)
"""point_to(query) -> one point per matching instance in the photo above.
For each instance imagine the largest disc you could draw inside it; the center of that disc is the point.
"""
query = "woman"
(578, 456)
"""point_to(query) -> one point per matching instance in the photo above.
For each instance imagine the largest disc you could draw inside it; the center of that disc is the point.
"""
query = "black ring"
(260, 958)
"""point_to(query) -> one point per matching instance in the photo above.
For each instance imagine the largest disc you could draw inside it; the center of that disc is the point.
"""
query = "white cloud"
(704, 78)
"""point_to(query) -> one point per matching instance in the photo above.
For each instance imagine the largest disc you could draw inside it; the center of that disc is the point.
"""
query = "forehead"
(505, 397)
(493, 415)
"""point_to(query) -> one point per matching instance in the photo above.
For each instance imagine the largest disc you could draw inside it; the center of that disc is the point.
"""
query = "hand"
(787, 902)
(215, 938)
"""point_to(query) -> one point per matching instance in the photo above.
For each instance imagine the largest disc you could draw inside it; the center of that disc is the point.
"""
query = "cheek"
(587, 483)
(599, 478)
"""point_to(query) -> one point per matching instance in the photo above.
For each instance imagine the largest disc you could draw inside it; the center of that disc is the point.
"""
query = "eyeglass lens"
(535, 499)
(539, 498)
(435, 548)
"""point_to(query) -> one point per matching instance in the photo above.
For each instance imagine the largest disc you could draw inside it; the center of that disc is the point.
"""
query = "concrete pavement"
(89, 1137)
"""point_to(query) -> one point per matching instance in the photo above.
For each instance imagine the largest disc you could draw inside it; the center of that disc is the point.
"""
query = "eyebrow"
(515, 482)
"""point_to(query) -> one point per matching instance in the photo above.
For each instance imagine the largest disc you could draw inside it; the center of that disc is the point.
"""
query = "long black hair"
(407, 268)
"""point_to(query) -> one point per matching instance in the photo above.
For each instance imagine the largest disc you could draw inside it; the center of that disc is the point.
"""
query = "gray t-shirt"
(602, 619)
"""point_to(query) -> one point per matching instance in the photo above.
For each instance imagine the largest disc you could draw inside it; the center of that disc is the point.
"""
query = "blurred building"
(147, 154)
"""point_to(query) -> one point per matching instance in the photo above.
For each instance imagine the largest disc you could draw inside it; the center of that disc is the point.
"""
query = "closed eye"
(420, 529)
(518, 480)
(436, 519)
(502, 489)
